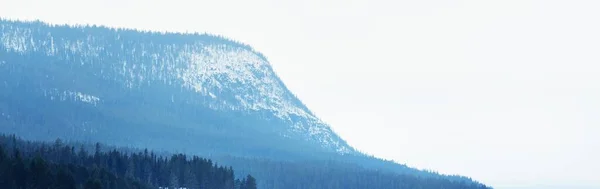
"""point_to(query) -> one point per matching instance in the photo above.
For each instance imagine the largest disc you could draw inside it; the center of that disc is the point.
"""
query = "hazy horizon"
(503, 92)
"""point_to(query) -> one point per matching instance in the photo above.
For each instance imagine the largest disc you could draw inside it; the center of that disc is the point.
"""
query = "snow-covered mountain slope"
(156, 70)
(190, 93)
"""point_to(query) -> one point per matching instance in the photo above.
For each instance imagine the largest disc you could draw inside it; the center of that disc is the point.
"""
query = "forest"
(32, 165)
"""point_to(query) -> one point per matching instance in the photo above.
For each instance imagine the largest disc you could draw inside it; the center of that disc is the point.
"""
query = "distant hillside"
(191, 93)
(178, 88)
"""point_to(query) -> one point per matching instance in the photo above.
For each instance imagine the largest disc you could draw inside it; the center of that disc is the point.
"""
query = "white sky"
(506, 92)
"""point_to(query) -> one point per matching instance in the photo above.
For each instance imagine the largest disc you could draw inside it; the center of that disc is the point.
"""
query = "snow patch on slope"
(242, 69)
(18, 40)
(55, 94)
(215, 68)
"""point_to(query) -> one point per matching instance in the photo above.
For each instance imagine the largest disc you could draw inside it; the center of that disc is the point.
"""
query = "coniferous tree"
(250, 182)
(64, 179)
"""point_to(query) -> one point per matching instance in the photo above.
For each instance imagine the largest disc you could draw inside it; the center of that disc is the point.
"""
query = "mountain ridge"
(208, 68)
(196, 93)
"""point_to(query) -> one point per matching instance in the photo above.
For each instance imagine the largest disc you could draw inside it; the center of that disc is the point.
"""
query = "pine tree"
(19, 171)
(130, 171)
(190, 179)
(38, 175)
(64, 179)
(250, 182)
(173, 180)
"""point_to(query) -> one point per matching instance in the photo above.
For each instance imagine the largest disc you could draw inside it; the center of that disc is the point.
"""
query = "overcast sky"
(506, 92)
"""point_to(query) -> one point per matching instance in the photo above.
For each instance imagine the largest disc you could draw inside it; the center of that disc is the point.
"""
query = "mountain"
(189, 84)
(191, 93)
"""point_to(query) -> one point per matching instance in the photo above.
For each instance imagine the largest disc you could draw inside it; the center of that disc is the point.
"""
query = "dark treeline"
(18, 172)
(316, 173)
(32, 165)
